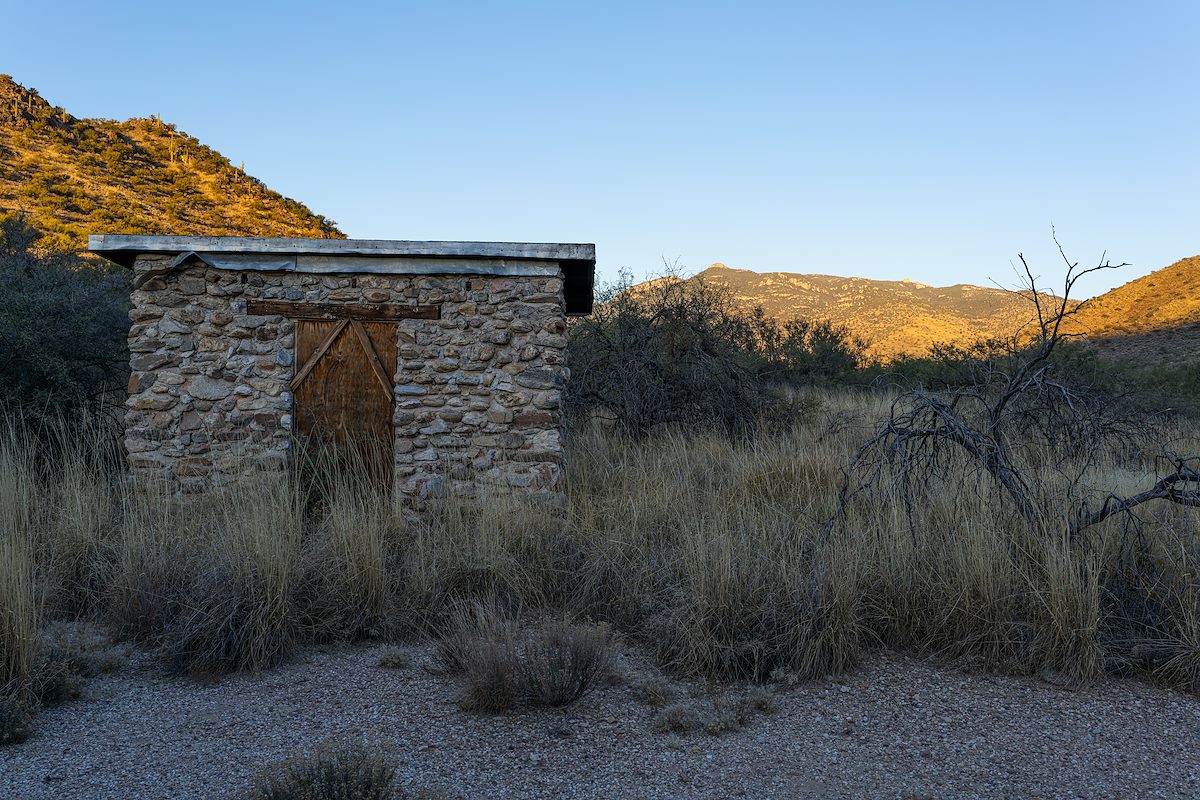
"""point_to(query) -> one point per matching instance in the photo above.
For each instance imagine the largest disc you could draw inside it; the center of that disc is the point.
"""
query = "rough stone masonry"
(477, 391)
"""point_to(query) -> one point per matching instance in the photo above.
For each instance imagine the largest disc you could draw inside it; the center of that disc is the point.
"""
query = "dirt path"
(895, 728)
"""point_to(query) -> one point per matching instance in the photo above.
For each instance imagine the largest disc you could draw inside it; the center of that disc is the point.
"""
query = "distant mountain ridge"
(71, 177)
(1155, 317)
(894, 317)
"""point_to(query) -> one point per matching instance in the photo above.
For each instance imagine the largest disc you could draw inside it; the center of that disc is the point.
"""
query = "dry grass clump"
(212, 584)
(56, 678)
(480, 643)
(724, 547)
(395, 659)
(722, 589)
(348, 562)
(714, 715)
(656, 691)
(19, 599)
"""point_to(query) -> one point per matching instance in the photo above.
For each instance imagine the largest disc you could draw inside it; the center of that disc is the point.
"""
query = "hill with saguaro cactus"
(71, 177)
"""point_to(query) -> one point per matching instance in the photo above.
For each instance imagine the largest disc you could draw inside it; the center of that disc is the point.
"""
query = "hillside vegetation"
(894, 317)
(70, 177)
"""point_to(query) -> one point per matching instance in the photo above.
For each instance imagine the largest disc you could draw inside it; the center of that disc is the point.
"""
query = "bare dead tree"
(1014, 406)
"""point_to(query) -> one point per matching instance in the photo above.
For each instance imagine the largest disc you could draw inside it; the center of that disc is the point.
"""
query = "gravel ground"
(895, 728)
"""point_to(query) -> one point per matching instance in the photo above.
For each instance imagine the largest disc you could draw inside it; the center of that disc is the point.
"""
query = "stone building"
(448, 356)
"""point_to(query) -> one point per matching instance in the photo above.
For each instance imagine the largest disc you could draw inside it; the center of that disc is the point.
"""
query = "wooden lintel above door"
(373, 312)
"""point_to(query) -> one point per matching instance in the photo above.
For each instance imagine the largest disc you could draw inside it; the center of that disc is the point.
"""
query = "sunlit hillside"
(1154, 318)
(71, 177)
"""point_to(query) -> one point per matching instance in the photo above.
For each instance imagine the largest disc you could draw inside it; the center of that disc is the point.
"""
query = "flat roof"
(577, 261)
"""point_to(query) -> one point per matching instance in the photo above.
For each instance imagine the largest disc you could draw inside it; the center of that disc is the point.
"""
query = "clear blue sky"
(890, 140)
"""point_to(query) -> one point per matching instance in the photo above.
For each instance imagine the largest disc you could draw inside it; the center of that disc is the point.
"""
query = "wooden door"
(343, 387)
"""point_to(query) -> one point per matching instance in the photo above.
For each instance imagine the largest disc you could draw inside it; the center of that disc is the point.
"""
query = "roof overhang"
(376, 256)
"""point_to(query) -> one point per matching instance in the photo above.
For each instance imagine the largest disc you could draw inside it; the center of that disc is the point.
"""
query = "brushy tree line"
(684, 353)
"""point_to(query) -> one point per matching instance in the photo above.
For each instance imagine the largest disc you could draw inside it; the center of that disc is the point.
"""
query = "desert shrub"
(762, 700)
(1169, 388)
(63, 324)
(1149, 390)
(682, 717)
(554, 664)
(683, 352)
(561, 661)
(353, 772)
(15, 720)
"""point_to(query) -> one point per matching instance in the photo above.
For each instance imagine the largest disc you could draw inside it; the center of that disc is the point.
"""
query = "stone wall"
(478, 391)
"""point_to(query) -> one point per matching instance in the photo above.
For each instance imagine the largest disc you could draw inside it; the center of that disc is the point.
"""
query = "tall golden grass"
(19, 599)
(712, 552)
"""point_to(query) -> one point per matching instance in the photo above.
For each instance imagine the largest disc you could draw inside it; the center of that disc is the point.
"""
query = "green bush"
(1149, 388)
(63, 326)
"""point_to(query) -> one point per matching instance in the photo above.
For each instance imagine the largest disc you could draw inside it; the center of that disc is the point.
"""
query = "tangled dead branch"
(1006, 418)
(1180, 486)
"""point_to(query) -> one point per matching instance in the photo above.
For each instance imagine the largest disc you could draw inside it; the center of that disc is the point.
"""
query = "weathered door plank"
(311, 362)
(385, 379)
